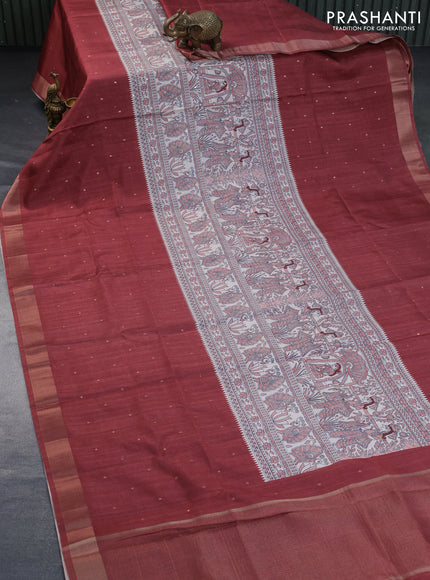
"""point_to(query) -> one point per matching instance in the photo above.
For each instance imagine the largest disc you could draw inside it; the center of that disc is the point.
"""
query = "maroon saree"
(219, 272)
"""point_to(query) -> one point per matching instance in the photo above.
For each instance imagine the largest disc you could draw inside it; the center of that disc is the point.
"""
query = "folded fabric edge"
(290, 47)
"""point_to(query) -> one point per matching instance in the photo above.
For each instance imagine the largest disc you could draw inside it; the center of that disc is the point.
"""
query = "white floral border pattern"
(308, 373)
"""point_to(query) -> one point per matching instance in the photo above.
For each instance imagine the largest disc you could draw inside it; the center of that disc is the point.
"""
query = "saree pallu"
(219, 272)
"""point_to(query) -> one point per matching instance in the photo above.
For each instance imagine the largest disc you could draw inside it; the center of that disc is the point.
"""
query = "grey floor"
(28, 539)
(28, 544)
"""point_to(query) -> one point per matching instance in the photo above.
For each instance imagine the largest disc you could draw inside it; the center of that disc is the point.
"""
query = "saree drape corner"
(219, 268)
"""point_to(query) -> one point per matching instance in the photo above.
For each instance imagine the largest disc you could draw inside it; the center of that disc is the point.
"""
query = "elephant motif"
(198, 27)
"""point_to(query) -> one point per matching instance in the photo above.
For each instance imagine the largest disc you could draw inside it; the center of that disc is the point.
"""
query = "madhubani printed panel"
(308, 373)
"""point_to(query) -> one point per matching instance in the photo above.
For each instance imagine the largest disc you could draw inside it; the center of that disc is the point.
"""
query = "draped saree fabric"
(219, 270)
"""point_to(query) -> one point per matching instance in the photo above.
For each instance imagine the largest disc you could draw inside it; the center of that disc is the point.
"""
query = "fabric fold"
(223, 266)
(270, 27)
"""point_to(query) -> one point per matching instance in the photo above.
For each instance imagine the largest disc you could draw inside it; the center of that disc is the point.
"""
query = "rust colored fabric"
(270, 26)
(149, 472)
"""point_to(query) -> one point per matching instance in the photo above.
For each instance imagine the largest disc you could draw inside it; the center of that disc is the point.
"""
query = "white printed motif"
(308, 373)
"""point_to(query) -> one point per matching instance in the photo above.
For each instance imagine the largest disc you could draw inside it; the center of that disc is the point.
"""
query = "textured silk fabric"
(287, 334)
(149, 472)
(269, 26)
